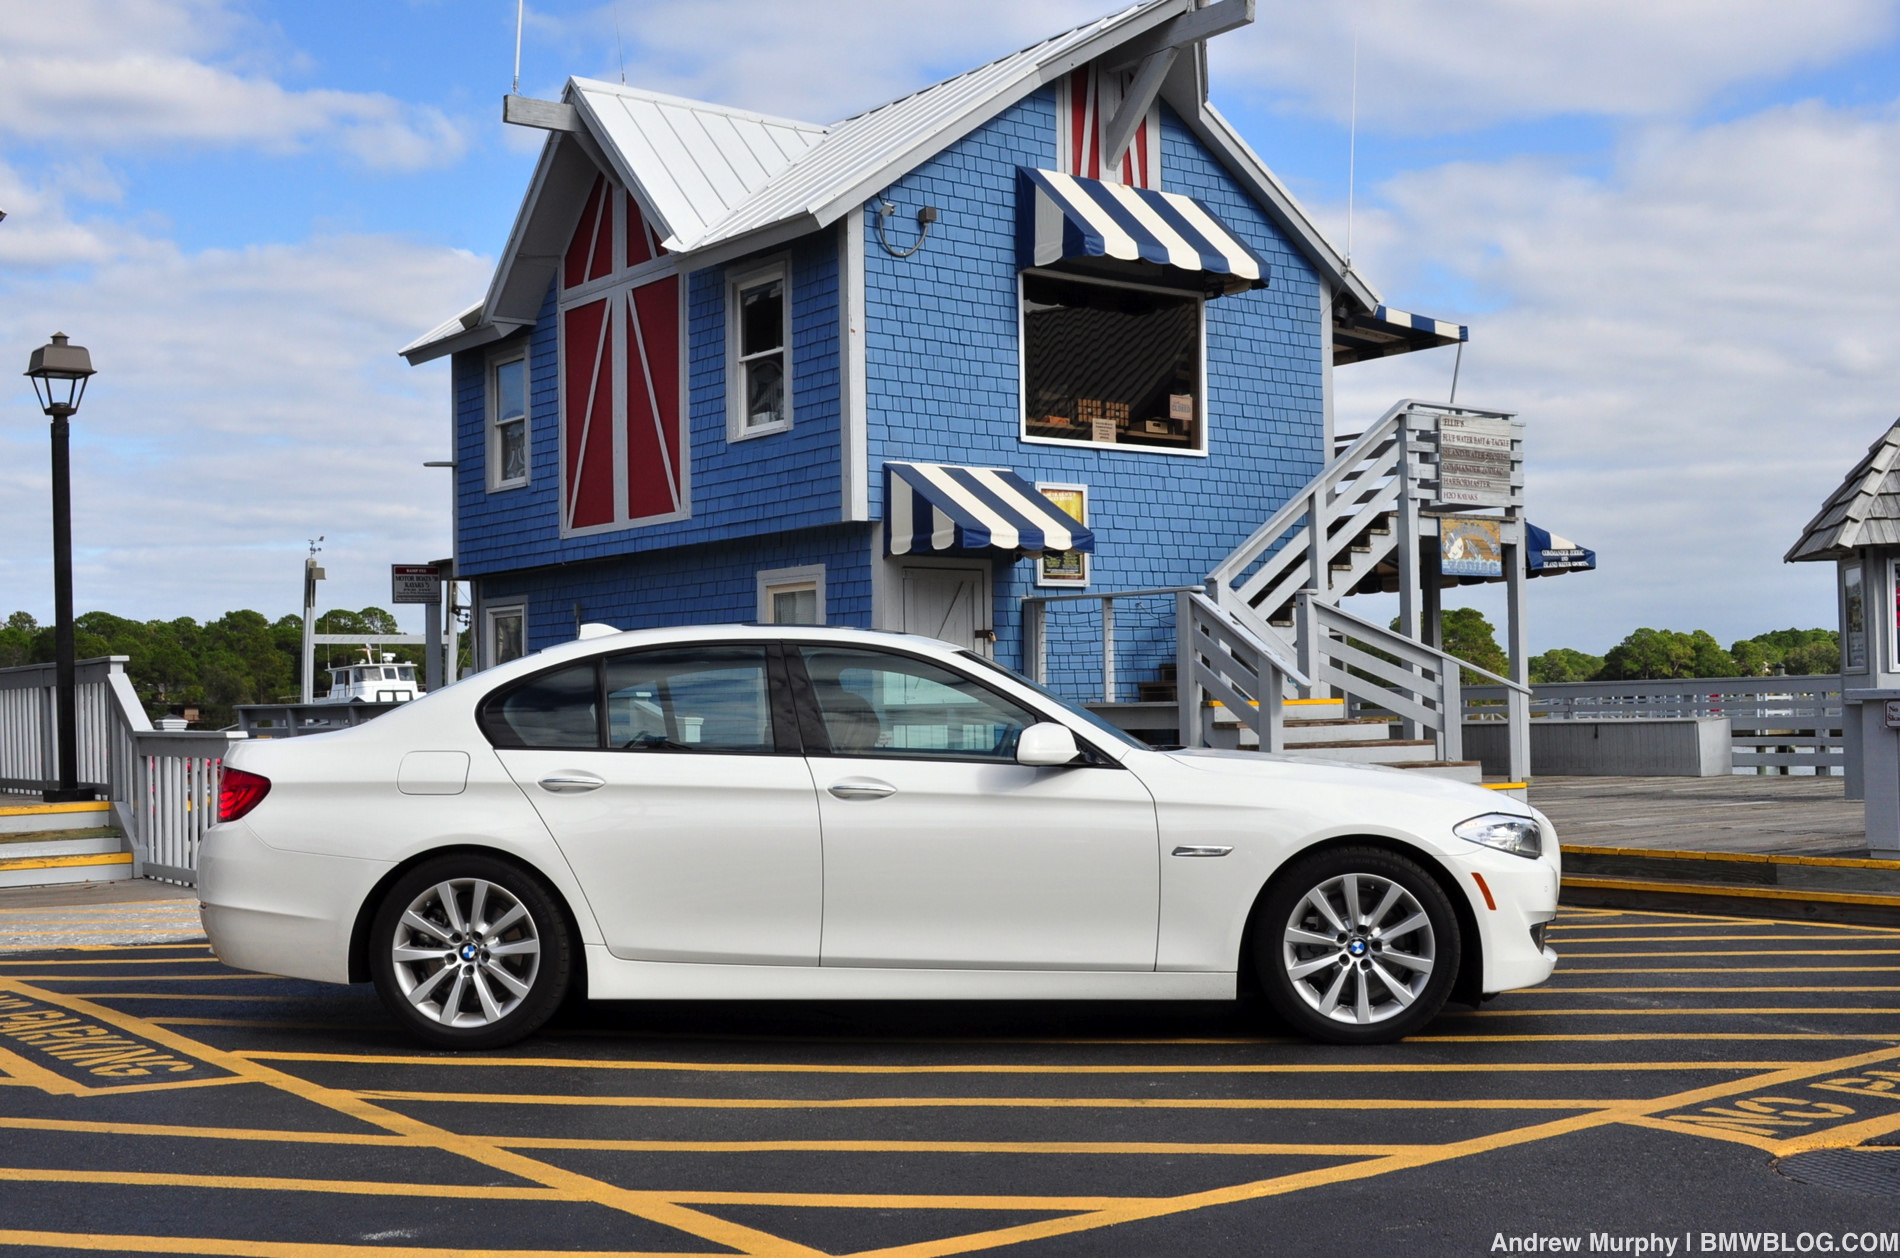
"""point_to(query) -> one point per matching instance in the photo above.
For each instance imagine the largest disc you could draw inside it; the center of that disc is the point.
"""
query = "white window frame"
(788, 580)
(1047, 582)
(777, 269)
(1204, 412)
(492, 386)
(489, 616)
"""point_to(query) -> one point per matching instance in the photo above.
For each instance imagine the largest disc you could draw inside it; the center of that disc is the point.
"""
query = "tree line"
(1648, 654)
(178, 665)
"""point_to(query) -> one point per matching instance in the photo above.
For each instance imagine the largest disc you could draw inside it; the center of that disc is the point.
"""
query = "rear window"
(557, 709)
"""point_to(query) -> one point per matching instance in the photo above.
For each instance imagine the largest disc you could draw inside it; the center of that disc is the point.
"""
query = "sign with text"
(414, 583)
(1475, 461)
(1471, 546)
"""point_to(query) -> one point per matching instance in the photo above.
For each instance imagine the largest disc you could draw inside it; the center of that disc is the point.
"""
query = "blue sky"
(1672, 225)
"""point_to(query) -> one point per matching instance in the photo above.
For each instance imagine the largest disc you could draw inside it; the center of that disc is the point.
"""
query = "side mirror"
(1045, 744)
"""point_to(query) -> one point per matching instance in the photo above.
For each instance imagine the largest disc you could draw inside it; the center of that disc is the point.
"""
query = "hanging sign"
(414, 583)
(1475, 461)
(1471, 546)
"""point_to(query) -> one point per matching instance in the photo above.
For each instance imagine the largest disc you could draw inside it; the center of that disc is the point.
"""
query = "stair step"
(54, 843)
(21, 818)
(47, 871)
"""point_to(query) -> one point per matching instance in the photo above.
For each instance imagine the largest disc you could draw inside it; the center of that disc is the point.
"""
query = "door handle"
(571, 783)
(862, 788)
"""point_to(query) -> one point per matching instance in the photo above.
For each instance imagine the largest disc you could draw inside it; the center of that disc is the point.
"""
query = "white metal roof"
(689, 162)
(714, 175)
(1864, 511)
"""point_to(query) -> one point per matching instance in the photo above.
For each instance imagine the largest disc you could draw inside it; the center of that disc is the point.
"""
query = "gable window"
(508, 424)
(792, 596)
(1112, 364)
(759, 389)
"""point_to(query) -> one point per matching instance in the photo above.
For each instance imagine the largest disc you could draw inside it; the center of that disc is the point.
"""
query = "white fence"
(163, 783)
(1778, 724)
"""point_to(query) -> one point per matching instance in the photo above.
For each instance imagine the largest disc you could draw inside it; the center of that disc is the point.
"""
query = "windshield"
(1114, 731)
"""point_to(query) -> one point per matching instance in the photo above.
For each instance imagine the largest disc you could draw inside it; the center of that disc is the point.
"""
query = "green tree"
(1563, 664)
(1651, 654)
(1814, 657)
(1470, 637)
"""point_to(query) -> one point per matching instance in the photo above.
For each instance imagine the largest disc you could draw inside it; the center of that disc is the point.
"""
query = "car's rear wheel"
(470, 952)
(1357, 945)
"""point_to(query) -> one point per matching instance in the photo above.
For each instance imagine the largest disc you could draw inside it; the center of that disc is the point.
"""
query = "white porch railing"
(163, 784)
(1777, 723)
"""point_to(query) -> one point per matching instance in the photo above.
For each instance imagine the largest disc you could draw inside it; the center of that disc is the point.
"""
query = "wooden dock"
(1803, 816)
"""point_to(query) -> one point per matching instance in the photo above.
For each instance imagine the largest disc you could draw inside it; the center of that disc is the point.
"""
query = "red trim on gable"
(589, 415)
(653, 400)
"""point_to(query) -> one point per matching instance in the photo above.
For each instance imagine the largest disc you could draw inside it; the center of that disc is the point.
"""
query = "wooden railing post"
(1308, 630)
(1036, 640)
(1187, 689)
(1108, 649)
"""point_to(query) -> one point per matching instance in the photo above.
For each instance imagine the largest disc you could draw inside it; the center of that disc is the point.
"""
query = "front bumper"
(1511, 921)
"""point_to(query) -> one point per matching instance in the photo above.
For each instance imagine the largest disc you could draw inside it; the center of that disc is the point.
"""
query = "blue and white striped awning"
(1421, 323)
(1062, 216)
(937, 507)
(1548, 555)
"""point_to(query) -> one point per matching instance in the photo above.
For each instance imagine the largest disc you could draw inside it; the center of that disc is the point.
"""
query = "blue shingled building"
(1049, 325)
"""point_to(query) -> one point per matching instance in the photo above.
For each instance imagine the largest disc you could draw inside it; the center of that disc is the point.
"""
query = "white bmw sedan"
(749, 813)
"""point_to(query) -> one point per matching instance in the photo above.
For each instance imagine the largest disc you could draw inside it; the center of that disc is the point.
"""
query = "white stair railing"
(1422, 687)
(1221, 657)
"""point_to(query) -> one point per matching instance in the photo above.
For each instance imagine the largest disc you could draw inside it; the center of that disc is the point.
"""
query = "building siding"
(943, 385)
(739, 489)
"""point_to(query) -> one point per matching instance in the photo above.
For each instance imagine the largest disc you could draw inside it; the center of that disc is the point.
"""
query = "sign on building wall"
(414, 583)
(1475, 461)
(1471, 546)
(1067, 567)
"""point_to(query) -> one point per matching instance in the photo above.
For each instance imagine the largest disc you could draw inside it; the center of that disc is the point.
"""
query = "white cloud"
(1426, 65)
(1703, 343)
(120, 75)
(247, 399)
(788, 59)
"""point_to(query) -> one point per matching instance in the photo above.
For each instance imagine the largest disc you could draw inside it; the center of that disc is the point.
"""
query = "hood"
(1343, 774)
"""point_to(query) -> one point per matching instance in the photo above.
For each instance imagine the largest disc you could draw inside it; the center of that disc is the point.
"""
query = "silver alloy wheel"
(1359, 948)
(466, 952)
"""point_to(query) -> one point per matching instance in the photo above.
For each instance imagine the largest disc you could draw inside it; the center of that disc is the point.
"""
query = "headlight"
(1505, 831)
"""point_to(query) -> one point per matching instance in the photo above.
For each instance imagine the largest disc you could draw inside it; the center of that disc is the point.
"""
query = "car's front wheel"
(1357, 945)
(470, 952)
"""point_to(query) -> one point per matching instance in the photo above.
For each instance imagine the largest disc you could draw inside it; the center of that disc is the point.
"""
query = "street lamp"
(59, 372)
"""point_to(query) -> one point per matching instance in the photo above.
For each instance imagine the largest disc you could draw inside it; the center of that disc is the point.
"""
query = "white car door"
(676, 792)
(941, 851)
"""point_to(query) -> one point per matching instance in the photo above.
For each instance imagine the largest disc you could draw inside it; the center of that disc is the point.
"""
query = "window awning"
(931, 507)
(1386, 331)
(1061, 217)
(1547, 555)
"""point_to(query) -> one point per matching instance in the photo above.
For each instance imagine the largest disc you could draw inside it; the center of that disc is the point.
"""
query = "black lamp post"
(59, 372)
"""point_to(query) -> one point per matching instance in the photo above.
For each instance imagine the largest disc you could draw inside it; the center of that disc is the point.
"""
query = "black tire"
(1357, 982)
(510, 980)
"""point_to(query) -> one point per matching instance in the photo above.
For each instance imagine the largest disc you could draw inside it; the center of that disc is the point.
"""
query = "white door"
(693, 837)
(946, 603)
(941, 851)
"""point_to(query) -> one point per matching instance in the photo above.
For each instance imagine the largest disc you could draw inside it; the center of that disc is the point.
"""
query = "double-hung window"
(759, 380)
(508, 424)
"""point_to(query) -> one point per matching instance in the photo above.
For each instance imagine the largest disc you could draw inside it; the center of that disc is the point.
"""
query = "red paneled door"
(623, 448)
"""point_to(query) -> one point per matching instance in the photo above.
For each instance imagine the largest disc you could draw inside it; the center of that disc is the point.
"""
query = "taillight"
(239, 792)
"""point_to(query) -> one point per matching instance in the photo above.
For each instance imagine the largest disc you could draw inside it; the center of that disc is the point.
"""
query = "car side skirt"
(611, 978)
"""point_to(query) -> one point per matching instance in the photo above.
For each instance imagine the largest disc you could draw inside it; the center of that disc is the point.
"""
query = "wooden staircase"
(48, 844)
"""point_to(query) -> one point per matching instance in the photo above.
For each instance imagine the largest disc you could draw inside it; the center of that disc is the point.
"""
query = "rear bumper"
(278, 912)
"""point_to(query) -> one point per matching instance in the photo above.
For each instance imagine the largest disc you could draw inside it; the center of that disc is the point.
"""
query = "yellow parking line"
(227, 1248)
(1734, 969)
(647, 1205)
(963, 1102)
(1013, 1147)
(111, 961)
(1651, 939)
(150, 978)
(1744, 952)
(1651, 1036)
(1679, 1012)
(716, 1067)
(169, 1130)
(278, 1183)
(331, 992)
(1559, 991)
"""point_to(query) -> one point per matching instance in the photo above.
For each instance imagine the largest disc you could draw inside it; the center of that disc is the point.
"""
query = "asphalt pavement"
(1681, 1075)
